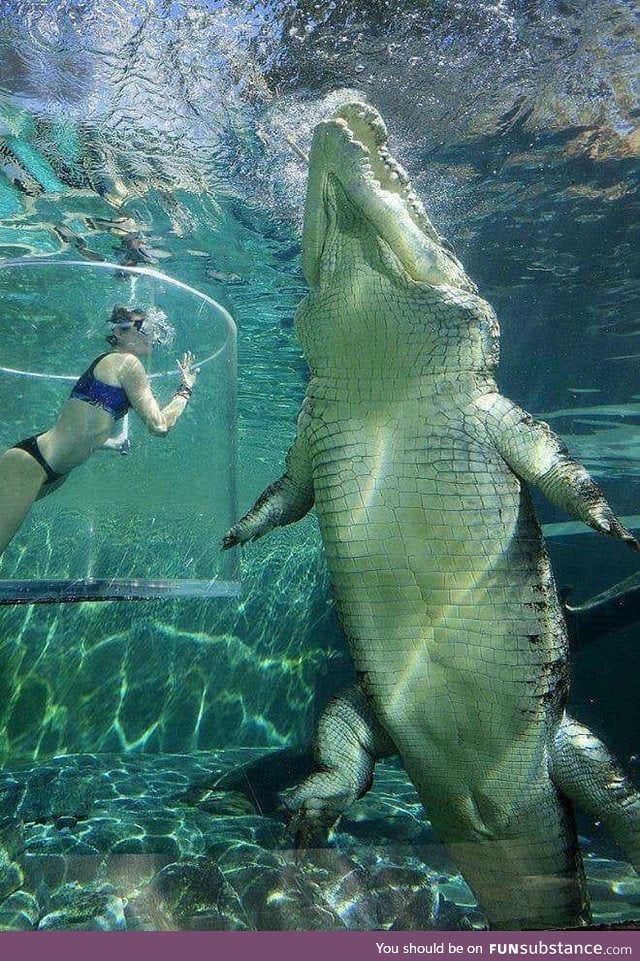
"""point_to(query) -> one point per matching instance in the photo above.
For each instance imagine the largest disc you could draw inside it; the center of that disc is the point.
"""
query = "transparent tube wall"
(144, 524)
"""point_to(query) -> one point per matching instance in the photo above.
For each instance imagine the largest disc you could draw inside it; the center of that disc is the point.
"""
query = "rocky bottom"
(199, 842)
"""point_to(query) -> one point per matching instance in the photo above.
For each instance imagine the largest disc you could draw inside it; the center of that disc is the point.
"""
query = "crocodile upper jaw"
(351, 149)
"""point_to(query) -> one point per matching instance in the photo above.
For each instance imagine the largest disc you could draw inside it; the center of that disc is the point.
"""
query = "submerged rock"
(19, 912)
(275, 892)
(198, 897)
(84, 909)
(124, 851)
(11, 876)
(48, 793)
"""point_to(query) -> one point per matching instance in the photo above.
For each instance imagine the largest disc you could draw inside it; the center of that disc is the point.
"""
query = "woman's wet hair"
(124, 315)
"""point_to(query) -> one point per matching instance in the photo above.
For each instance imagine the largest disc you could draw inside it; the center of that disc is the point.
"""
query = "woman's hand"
(188, 372)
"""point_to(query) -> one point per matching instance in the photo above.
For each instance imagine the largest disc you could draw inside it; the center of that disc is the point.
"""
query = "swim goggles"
(154, 326)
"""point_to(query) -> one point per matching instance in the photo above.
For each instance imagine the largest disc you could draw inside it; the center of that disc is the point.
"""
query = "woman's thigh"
(21, 479)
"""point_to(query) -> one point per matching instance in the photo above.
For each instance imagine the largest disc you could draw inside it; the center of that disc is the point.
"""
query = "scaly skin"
(418, 468)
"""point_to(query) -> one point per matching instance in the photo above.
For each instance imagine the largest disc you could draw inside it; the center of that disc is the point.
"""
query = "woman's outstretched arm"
(134, 379)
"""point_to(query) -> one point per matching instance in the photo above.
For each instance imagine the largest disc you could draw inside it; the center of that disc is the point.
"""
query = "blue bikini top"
(112, 399)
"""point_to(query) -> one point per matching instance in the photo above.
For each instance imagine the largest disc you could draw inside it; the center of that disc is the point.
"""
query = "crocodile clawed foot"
(616, 529)
(231, 539)
(314, 810)
(307, 831)
(240, 533)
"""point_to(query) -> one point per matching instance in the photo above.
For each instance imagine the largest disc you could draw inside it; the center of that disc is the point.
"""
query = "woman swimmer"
(113, 383)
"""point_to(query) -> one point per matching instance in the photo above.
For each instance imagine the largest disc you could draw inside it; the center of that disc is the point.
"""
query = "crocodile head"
(351, 170)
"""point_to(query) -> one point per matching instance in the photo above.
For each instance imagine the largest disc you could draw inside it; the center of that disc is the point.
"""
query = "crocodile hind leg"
(584, 770)
(526, 871)
(347, 743)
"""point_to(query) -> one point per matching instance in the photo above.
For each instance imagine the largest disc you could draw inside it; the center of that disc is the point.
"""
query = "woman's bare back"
(82, 427)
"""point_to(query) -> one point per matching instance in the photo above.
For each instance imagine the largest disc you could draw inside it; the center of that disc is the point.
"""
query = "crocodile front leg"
(537, 455)
(348, 741)
(283, 502)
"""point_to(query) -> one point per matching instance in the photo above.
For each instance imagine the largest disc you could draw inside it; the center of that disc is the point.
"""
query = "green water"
(174, 123)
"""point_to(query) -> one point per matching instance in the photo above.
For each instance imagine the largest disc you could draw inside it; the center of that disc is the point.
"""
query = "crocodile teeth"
(395, 169)
(363, 115)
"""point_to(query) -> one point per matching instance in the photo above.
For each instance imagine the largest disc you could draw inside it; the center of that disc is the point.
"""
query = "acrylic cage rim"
(154, 275)
(70, 590)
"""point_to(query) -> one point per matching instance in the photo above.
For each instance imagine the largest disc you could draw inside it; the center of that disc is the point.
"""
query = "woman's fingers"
(188, 372)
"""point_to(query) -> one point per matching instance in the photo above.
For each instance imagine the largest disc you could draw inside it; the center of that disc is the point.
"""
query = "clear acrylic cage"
(147, 524)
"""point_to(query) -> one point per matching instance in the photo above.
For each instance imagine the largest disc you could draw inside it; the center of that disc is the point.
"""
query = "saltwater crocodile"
(418, 468)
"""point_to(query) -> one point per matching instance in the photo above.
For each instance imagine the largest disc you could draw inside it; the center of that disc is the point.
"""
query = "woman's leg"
(21, 479)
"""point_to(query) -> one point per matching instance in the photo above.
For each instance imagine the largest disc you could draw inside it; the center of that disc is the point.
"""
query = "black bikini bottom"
(30, 444)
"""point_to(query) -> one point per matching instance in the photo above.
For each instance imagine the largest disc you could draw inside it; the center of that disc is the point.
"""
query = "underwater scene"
(372, 266)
